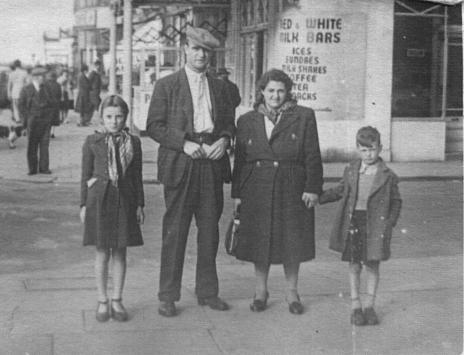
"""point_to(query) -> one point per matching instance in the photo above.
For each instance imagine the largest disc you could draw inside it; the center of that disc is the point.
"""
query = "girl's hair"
(114, 101)
(84, 67)
(273, 75)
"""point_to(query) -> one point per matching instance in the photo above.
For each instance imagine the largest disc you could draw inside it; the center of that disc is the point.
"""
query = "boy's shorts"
(355, 246)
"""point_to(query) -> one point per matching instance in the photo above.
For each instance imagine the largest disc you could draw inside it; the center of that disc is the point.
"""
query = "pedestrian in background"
(65, 84)
(112, 201)
(191, 117)
(277, 178)
(84, 104)
(234, 93)
(95, 84)
(16, 81)
(369, 209)
(55, 95)
(35, 104)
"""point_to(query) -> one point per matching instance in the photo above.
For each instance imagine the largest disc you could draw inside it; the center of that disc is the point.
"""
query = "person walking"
(17, 79)
(112, 201)
(84, 104)
(55, 94)
(277, 178)
(35, 104)
(65, 84)
(191, 117)
(369, 209)
(95, 85)
(234, 93)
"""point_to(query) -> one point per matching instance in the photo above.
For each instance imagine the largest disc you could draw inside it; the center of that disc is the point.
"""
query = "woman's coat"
(270, 177)
(383, 209)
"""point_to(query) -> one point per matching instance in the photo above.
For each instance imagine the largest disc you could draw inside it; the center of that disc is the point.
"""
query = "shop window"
(427, 60)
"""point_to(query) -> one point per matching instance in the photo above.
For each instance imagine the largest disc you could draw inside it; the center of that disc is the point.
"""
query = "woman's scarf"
(122, 142)
(273, 115)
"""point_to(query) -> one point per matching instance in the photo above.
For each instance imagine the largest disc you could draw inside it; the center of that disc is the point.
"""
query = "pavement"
(47, 292)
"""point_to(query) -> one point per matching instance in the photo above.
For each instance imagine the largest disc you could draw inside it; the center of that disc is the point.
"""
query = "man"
(35, 105)
(16, 81)
(83, 104)
(191, 117)
(95, 85)
(235, 98)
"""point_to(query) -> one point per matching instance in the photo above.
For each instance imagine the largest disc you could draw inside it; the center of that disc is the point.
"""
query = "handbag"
(232, 234)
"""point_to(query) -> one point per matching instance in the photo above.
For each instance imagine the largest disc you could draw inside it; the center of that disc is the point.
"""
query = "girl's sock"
(355, 303)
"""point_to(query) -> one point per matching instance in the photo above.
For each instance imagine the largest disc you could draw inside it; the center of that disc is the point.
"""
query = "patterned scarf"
(122, 142)
(273, 115)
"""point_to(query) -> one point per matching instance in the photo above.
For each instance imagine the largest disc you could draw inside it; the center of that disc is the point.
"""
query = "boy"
(369, 210)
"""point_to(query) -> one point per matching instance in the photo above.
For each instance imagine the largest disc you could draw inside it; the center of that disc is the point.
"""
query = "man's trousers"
(200, 194)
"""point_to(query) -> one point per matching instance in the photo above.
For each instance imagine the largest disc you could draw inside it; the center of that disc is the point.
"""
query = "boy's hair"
(367, 136)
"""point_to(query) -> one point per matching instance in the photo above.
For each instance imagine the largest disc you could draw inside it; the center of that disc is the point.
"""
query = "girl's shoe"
(370, 316)
(296, 307)
(357, 317)
(102, 316)
(259, 305)
(120, 316)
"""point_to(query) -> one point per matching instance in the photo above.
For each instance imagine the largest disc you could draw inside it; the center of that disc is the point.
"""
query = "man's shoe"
(32, 173)
(48, 172)
(167, 309)
(214, 303)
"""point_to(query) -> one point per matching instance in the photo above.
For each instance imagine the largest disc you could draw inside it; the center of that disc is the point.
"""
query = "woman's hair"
(273, 75)
(114, 101)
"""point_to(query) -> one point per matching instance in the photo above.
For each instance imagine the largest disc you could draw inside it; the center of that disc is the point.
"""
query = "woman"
(276, 182)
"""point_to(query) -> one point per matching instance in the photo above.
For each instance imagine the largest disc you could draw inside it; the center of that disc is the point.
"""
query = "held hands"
(82, 214)
(310, 200)
(214, 151)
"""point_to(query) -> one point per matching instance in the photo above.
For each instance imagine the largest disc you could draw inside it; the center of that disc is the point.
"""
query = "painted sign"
(325, 54)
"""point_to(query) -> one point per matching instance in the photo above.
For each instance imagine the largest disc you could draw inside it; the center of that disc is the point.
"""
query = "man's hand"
(237, 203)
(309, 199)
(216, 150)
(194, 150)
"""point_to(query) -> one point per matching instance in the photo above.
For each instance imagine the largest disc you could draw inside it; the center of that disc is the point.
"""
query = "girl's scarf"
(121, 142)
(273, 115)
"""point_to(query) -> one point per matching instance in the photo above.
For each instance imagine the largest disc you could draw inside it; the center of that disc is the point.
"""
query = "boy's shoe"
(357, 317)
(370, 316)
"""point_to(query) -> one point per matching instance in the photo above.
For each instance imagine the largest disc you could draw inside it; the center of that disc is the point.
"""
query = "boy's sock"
(370, 300)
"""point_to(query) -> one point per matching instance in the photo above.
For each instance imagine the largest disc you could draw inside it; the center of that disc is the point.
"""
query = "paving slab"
(46, 322)
(33, 345)
(159, 341)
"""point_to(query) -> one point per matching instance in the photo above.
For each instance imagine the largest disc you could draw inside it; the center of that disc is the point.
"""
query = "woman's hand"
(140, 215)
(237, 203)
(310, 199)
(82, 214)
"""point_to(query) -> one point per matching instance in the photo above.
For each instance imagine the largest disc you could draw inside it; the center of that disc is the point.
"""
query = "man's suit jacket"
(170, 122)
(35, 105)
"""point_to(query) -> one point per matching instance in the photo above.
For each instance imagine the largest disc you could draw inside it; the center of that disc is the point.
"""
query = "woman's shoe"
(259, 305)
(102, 316)
(296, 307)
(120, 316)
(357, 317)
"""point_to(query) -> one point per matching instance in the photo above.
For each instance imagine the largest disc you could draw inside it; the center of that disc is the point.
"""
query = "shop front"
(395, 65)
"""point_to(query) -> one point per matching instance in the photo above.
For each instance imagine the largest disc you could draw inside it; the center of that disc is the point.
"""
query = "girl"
(112, 201)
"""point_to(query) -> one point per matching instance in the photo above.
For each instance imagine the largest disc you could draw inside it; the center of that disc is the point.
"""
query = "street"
(48, 294)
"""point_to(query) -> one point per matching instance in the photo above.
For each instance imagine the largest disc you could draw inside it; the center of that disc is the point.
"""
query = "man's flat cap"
(38, 70)
(202, 38)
